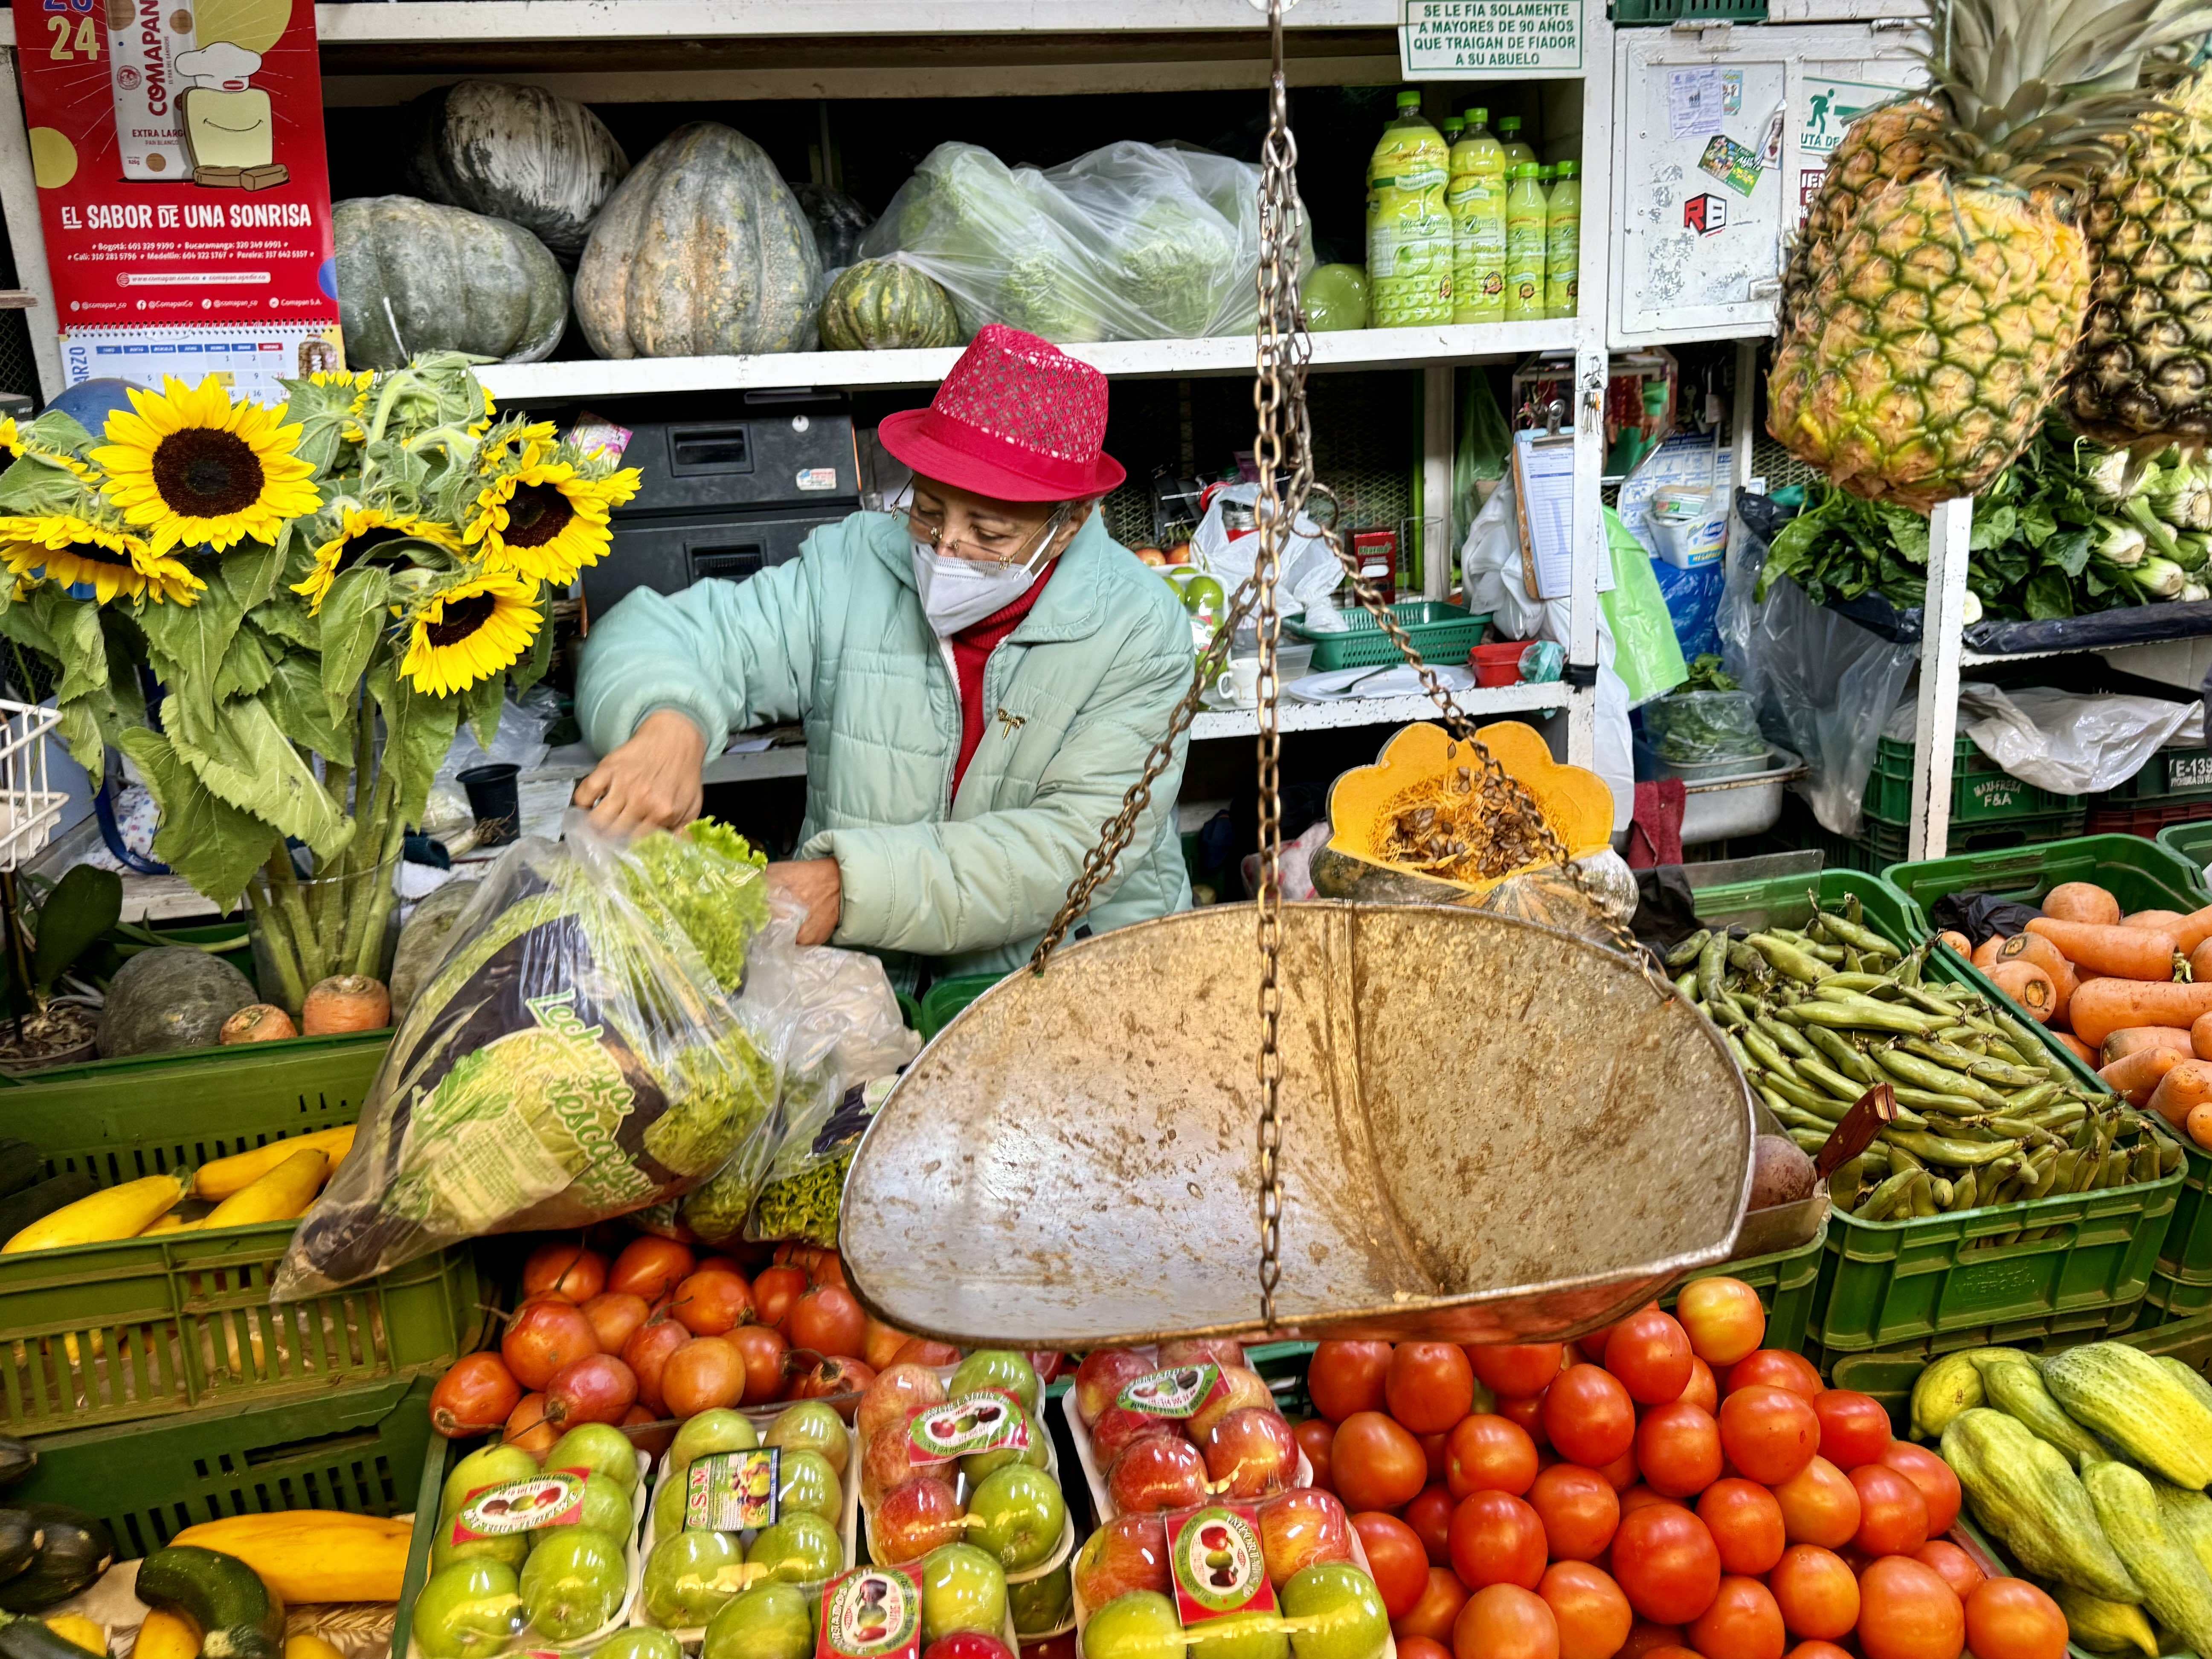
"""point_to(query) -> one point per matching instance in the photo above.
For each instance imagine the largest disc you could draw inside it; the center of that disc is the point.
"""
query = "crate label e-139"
(1489, 39)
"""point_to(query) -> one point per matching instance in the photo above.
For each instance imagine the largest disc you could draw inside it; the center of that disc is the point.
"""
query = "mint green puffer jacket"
(1074, 699)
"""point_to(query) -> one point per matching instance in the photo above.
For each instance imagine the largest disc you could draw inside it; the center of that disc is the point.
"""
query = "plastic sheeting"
(2065, 742)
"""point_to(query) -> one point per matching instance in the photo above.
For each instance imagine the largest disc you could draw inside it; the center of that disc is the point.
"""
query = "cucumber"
(237, 1615)
(30, 1638)
(19, 1210)
(17, 1459)
(19, 1542)
(73, 1549)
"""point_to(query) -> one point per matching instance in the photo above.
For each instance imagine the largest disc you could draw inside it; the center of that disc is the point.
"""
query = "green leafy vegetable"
(707, 879)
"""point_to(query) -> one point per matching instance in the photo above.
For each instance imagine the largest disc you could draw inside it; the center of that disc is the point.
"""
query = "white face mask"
(958, 593)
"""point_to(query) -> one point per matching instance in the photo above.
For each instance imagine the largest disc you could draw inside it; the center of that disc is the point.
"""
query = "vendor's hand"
(815, 884)
(651, 783)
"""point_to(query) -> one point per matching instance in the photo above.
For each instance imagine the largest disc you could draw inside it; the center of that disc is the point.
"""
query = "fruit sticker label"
(554, 1498)
(732, 1491)
(986, 1420)
(1731, 163)
(871, 1613)
(1214, 1554)
(1177, 1393)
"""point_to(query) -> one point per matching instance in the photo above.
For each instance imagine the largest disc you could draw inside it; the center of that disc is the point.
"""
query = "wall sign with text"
(1489, 39)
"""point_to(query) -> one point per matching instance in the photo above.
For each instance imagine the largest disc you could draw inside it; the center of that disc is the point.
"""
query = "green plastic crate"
(1886, 1284)
(1888, 1374)
(948, 997)
(2192, 844)
(1631, 12)
(2141, 874)
(358, 1449)
(2170, 1298)
(2170, 774)
(147, 1327)
(1441, 632)
(1878, 845)
(1786, 1280)
(1982, 792)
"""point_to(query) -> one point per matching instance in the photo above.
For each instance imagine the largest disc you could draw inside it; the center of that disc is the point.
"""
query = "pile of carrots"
(2130, 994)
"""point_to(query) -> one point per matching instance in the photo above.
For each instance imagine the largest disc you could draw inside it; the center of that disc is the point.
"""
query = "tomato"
(1640, 1496)
(1376, 1465)
(1579, 1509)
(1892, 1515)
(1527, 1410)
(1315, 1436)
(1819, 1505)
(1488, 1453)
(1409, 1647)
(1622, 1471)
(1395, 1560)
(826, 1319)
(1746, 1522)
(1438, 1609)
(1960, 1570)
(1701, 1389)
(1817, 1594)
(1497, 1538)
(1428, 1386)
(1589, 1417)
(1939, 1487)
(1775, 1368)
(1515, 1370)
(1592, 1348)
(1854, 1428)
(1645, 1637)
(2011, 1618)
(1678, 1447)
(1723, 1318)
(1812, 1650)
(1665, 1560)
(1592, 1615)
(1649, 1352)
(1430, 1517)
(1432, 1454)
(1769, 1433)
(1503, 1621)
(1907, 1611)
(1742, 1623)
(1344, 1377)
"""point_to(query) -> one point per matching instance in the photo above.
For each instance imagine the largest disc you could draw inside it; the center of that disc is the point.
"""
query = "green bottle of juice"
(1524, 244)
(1477, 200)
(1562, 240)
(1450, 128)
(1509, 134)
(1409, 233)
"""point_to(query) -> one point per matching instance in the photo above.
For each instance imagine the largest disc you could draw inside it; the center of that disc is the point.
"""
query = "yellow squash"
(227, 1176)
(122, 1212)
(282, 1195)
(304, 1646)
(313, 1555)
(167, 1635)
(171, 1223)
(75, 1627)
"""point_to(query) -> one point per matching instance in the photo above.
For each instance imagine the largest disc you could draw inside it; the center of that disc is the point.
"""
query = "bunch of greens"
(707, 879)
(1706, 674)
(806, 1183)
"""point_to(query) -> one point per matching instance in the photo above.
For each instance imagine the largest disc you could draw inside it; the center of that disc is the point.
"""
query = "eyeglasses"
(1011, 547)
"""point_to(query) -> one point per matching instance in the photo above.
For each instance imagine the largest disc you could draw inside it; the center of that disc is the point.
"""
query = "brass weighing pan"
(1492, 1132)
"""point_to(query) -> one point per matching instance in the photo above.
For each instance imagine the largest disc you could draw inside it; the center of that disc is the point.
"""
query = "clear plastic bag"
(573, 1058)
(1694, 728)
(1130, 242)
(799, 1200)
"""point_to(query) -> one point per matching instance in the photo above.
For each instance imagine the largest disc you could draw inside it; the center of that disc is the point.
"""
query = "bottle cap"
(1567, 169)
(1478, 115)
(1409, 101)
(1509, 123)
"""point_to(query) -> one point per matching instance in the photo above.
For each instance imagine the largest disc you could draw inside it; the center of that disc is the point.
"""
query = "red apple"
(889, 1395)
(1301, 1528)
(966, 1644)
(1159, 1472)
(1223, 1351)
(1104, 1374)
(1240, 1389)
(1251, 1453)
(890, 1461)
(1129, 1553)
(914, 1517)
(1117, 1426)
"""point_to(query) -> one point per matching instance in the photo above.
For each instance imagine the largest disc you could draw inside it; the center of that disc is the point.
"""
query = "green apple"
(668, 1506)
(509, 1548)
(494, 1465)
(1343, 1607)
(1042, 1604)
(606, 1507)
(813, 1425)
(718, 1430)
(574, 1582)
(800, 1548)
(639, 1644)
(804, 1480)
(689, 1578)
(978, 1465)
(998, 1368)
(1142, 1624)
(962, 1589)
(600, 1449)
(467, 1610)
(768, 1621)
(1021, 1516)
(1243, 1636)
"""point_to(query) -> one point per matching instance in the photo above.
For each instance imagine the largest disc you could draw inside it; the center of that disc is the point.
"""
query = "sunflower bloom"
(546, 519)
(10, 438)
(191, 467)
(361, 531)
(76, 552)
(470, 632)
(354, 432)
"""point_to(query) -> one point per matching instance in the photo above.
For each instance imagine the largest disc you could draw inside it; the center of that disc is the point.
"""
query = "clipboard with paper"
(1543, 503)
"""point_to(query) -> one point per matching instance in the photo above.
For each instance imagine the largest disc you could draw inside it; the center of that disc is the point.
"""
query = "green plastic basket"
(2141, 874)
(1888, 1374)
(1787, 1281)
(147, 1327)
(2170, 774)
(1879, 845)
(1982, 792)
(1441, 631)
(1886, 1284)
(2192, 844)
(1632, 12)
(948, 997)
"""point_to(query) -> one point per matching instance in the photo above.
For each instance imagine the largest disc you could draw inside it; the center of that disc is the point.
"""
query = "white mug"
(1240, 682)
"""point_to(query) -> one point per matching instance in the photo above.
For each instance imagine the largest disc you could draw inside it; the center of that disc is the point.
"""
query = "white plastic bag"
(2069, 744)
(1309, 572)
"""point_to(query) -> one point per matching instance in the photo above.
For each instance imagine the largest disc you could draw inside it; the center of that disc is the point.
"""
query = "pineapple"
(1881, 147)
(2142, 376)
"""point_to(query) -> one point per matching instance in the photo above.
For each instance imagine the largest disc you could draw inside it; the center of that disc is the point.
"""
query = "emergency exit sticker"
(1489, 39)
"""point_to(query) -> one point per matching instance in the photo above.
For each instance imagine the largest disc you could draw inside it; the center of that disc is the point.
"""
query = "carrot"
(1958, 943)
(2200, 960)
(2181, 1090)
(2080, 1050)
(2200, 1037)
(2035, 991)
(2200, 1126)
(2163, 921)
(2081, 900)
(2033, 947)
(2193, 929)
(346, 1002)
(2141, 1071)
(1985, 953)
(2105, 1005)
(2125, 953)
(2122, 1043)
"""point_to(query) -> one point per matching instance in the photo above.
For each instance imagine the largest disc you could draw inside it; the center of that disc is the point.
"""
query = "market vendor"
(981, 672)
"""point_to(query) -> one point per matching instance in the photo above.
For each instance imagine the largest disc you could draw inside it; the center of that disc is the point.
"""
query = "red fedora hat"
(1017, 419)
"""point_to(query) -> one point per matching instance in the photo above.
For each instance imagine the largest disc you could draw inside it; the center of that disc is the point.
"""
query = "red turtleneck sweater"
(971, 648)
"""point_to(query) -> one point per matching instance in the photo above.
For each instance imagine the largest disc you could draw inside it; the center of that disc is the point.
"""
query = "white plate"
(1341, 685)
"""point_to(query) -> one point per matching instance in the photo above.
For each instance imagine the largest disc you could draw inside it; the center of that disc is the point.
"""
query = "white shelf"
(1228, 354)
(1482, 701)
(788, 760)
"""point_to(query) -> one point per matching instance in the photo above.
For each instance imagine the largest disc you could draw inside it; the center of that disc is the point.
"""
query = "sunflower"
(546, 518)
(10, 438)
(353, 432)
(112, 562)
(195, 468)
(362, 530)
(470, 632)
(534, 439)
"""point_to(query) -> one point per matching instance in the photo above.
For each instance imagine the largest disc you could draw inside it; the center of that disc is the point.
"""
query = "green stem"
(314, 959)
(368, 944)
(378, 837)
(277, 941)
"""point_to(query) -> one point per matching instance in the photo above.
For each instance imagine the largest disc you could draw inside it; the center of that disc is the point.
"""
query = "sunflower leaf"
(23, 620)
(246, 760)
(482, 703)
(34, 488)
(294, 697)
(210, 844)
(532, 669)
(188, 644)
(245, 667)
(250, 570)
(283, 615)
(352, 619)
(418, 730)
(88, 739)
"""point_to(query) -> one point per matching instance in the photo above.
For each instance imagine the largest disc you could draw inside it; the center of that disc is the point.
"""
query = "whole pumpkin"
(881, 305)
(518, 153)
(415, 276)
(701, 251)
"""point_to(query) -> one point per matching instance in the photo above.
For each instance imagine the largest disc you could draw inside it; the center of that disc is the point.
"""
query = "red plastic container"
(1498, 664)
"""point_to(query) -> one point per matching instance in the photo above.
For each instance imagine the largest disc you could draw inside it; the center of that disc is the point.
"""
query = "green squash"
(518, 153)
(701, 251)
(417, 276)
(882, 304)
(171, 997)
